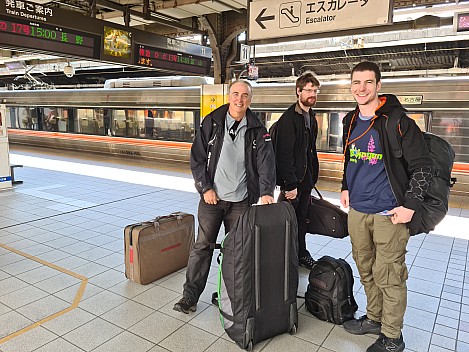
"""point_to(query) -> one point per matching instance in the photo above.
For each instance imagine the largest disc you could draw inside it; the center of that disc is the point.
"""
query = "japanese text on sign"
(410, 99)
(28, 10)
(159, 58)
(280, 18)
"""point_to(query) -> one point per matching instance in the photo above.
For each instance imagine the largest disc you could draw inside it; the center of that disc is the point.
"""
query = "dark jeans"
(301, 209)
(210, 219)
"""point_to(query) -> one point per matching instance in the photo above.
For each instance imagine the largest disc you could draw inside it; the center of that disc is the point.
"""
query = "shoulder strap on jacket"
(394, 136)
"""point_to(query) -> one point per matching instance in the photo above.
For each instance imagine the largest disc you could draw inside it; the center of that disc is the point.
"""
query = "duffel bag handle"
(319, 194)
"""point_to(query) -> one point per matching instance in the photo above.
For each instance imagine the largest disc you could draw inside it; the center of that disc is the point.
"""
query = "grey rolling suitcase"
(258, 275)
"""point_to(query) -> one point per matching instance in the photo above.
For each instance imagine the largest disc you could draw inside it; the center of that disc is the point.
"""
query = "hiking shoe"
(185, 305)
(386, 344)
(307, 261)
(362, 326)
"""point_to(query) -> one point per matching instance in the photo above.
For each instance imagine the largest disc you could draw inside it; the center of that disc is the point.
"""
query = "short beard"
(306, 102)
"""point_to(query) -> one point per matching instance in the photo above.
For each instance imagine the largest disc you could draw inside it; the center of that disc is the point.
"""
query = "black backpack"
(329, 296)
(435, 203)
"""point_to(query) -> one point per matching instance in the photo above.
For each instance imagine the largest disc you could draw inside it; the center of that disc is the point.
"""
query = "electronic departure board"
(171, 60)
(48, 38)
(462, 22)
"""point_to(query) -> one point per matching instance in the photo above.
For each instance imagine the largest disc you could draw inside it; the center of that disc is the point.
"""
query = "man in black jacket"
(233, 164)
(385, 196)
(296, 157)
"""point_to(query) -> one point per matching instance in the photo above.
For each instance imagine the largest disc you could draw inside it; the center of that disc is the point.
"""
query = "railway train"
(155, 119)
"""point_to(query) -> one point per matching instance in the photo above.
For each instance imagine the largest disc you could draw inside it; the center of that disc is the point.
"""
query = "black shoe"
(307, 261)
(185, 305)
(362, 326)
(386, 344)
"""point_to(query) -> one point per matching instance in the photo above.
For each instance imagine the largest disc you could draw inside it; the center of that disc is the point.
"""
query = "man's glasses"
(309, 91)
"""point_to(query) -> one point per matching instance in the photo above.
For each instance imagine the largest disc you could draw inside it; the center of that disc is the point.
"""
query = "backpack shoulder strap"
(394, 136)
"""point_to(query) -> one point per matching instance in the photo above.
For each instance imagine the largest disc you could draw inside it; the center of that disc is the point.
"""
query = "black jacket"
(292, 141)
(259, 154)
(409, 176)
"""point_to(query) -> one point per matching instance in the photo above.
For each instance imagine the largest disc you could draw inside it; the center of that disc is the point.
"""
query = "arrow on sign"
(260, 19)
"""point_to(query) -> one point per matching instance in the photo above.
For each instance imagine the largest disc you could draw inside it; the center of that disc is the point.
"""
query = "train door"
(72, 117)
(99, 124)
(107, 121)
(13, 118)
(196, 124)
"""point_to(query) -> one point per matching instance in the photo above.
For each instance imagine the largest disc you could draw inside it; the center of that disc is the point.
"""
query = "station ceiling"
(429, 54)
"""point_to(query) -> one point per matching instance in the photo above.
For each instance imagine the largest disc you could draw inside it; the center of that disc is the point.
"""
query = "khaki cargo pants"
(379, 248)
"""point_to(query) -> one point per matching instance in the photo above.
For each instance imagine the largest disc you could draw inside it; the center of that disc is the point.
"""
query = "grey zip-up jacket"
(259, 154)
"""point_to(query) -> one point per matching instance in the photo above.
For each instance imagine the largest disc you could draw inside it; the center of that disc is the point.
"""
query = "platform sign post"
(5, 177)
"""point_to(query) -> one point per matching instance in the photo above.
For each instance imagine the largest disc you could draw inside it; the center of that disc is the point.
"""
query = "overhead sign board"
(283, 18)
(28, 26)
(48, 38)
(154, 57)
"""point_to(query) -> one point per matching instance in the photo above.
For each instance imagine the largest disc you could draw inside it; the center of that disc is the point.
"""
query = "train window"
(454, 127)
(329, 128)
(329, 131)
(170, 125)
(128, 123)
(135, 123)
(420, 119)
(90, 121)
(271, 118)
(118, 124)
(55, 119)
(24, 118)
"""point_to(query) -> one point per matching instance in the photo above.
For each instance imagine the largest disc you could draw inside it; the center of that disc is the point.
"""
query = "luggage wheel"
(293, 330)
(249, 346)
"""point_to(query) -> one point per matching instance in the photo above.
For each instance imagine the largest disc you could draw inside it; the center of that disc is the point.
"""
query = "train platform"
(63, 288)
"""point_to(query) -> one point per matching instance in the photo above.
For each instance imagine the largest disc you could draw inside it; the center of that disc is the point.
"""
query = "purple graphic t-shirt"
(368, 185)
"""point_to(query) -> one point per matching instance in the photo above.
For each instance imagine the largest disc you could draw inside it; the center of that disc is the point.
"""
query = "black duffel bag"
(325, 218)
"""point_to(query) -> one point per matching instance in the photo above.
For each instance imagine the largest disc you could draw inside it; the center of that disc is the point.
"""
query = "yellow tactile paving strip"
(74, 304)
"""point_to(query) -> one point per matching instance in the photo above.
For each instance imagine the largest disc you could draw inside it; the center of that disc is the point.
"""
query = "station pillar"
(5, 176)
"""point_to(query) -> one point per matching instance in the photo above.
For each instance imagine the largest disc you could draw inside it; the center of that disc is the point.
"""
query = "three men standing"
(296, 157)
(233, 164)
(384, 193)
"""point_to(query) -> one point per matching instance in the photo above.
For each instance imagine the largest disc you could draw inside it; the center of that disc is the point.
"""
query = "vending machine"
(5, 177)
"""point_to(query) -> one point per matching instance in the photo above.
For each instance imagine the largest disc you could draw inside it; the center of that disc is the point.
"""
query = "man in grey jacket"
(233, 164)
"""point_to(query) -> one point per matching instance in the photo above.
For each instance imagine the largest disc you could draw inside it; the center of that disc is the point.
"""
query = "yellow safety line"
(76, 301)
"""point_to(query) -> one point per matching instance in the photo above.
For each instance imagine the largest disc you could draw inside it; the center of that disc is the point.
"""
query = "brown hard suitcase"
(159, 247)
